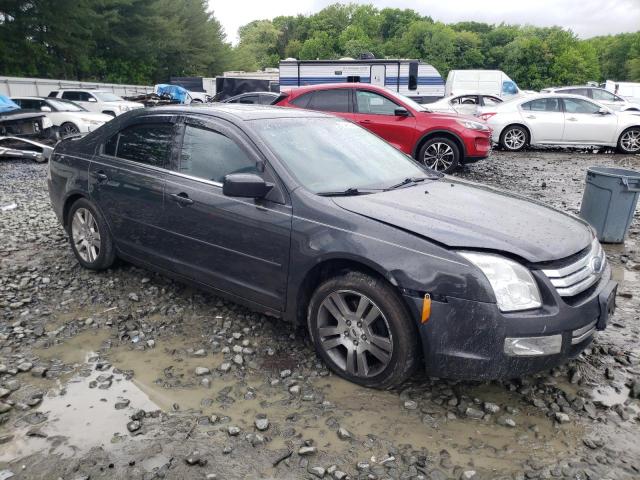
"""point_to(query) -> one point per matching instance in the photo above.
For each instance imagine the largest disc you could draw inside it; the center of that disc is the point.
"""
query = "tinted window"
(29, 104)
(413, 75)
(375, 104)
(543, 105)
(76, 96)
(210, 155)
(145, 143)
(53, 94)
(577, 91)
(303, 100)
(603, 95)
(575, 105)
(267, 99)
(509, 87)
(330, 100)
(248, 99)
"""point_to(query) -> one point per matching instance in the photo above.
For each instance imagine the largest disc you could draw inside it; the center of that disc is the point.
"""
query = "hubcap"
(630, 141)
(85, 235)
(438, 156)
(515, 138)
(355, 334)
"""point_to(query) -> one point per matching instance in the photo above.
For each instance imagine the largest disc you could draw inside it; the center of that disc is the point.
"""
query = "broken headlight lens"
(513, 285)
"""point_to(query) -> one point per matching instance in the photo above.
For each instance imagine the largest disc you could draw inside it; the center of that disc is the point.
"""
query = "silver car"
(552, 119)
(467, 104)
(600, 95)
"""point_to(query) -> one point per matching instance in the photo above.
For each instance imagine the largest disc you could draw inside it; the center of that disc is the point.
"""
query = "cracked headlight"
(513, 285)
(471, 125)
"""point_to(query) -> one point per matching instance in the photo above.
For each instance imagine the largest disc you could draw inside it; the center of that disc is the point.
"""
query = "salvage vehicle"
(68, 117)
(95, 100)
(489, 82)
(600, 95)
(312, 218)
(469, 104)
(561, 119)
(439, 141)
(15, 122)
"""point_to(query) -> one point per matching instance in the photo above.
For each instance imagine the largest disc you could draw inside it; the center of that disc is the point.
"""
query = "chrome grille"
(580, 275)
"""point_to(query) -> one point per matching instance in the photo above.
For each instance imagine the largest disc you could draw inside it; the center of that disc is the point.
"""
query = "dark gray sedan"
(314, 219)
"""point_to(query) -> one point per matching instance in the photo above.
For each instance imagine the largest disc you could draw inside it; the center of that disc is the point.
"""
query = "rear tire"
(68, 128)
(362, 330)
(89, 235)
(440, 154)
(514, 138)
(629, 141)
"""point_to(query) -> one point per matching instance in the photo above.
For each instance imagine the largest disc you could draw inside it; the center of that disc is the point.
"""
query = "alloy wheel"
(354, 333)
(85, 235)
(630, 140)
(69, 129)
(438, 156)
(515, 139)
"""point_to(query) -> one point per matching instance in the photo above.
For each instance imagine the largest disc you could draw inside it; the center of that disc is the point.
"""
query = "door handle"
(531, 116)
(101, 176)
(181, 198)
(572, 119)
(365, 121)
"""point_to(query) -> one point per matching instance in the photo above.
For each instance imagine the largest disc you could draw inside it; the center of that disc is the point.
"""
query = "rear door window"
(603, 95)
(210, 155)
(543, 105)
(72, 95)
(302, 101)
(146, 143)
(336, 100)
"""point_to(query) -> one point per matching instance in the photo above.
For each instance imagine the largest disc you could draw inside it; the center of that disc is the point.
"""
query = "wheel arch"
(68, 202)
(619, 139)
(516, 124)
(440, 133)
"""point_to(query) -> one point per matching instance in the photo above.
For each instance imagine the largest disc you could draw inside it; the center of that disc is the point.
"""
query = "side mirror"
(45, 109)
(401, 112)
(603, 111)
(92, 99)
(245, 185)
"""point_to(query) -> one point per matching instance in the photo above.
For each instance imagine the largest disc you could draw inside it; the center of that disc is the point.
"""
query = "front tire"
(67, 129)
(89, 236)
(362, 330)
(629, 141)
(440, 154)
(514, 138)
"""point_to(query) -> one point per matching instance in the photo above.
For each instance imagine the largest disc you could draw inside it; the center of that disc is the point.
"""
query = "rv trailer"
(412, 78)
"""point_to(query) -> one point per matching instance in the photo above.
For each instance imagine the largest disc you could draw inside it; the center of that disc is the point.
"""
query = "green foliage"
(147, 41)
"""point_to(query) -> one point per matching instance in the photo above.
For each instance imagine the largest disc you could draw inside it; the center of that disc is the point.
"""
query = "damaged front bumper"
(14, 147)
(472, 340)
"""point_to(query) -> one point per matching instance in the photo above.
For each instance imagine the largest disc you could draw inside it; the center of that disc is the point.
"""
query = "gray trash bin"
(609, 201)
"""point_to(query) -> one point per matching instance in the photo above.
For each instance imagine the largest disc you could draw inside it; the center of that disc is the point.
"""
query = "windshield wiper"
(347, 193)
(407, 181)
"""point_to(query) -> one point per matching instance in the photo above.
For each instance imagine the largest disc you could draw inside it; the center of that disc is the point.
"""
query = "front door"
(237, 245)
(585, 123)
(377, 113)
(545, 119)
(126, 181)
(377, 75)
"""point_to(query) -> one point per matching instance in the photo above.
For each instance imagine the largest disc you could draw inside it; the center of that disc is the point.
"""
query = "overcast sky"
(587, 18)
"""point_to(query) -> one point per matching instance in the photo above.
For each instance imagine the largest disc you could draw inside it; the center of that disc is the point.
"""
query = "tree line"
(147, 41)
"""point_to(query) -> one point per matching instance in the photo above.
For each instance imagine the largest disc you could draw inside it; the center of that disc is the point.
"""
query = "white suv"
(99, 101)
(600, 95)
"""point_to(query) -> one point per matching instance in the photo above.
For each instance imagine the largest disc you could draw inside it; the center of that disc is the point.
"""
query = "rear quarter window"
(302, 101)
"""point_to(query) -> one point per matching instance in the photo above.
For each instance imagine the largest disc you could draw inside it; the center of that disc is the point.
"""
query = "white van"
(487, 82)
(627, 90)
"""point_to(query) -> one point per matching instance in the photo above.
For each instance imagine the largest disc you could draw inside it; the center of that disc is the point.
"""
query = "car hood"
(464, 215)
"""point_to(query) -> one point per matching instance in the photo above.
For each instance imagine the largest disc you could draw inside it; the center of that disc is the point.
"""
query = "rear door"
(126, 181)
(466, 104)
(84, 99)
(237, 245)
(333, 100)
(584, 123)
(545, 119)
(378, 73)
(377, 113)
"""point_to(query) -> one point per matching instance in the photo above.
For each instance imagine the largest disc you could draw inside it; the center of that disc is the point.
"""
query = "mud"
(131, 338)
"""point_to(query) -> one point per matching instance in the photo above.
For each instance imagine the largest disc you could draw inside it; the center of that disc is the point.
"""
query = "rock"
(506, 421)
(562, 417)
(468, 475)
(122, 403)
(233, 431)
(285, 373)
(307, 450)
(134, 297)
(238, 360)
(317, 471)
(5, 438)
(344, 434)
(134, 426)
(24, 366)
(200, 353)
(262, 423)
(339, 475)
(4, 392)
(491, 407)
(224, 367)
(410, 404)
(39, 371)
(471, 412)
(294, 389)
(202, 371)
(195, 459)
(634, 389)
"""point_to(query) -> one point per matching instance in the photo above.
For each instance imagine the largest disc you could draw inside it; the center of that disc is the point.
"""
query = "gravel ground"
(127, 374)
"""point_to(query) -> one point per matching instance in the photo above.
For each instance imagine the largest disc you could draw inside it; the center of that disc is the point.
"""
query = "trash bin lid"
(614, 172)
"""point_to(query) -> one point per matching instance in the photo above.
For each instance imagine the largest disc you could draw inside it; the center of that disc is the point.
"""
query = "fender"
(431, 132)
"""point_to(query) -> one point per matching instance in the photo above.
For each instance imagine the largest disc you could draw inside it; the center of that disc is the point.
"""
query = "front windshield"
(333, 155)
(62, 106)
(411, 103)
(107, 97)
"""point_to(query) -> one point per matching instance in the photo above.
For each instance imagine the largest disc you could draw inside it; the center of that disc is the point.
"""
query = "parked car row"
(311, 218)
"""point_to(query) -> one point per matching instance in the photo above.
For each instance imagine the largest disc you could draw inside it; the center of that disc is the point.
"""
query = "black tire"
(111, 114)
(441, 154)
(629, 141)
(68, 128)
(100, 258)
(402, 333)
(514, 131)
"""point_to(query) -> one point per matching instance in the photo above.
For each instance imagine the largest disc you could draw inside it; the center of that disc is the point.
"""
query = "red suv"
(438, 140)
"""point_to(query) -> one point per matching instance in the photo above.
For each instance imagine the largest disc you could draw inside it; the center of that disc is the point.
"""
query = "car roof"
(327, 86)
(239, 111)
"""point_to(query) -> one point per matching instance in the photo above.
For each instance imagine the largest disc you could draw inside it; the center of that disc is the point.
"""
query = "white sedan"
(69, 117)
(554, 119)
(467, 104)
